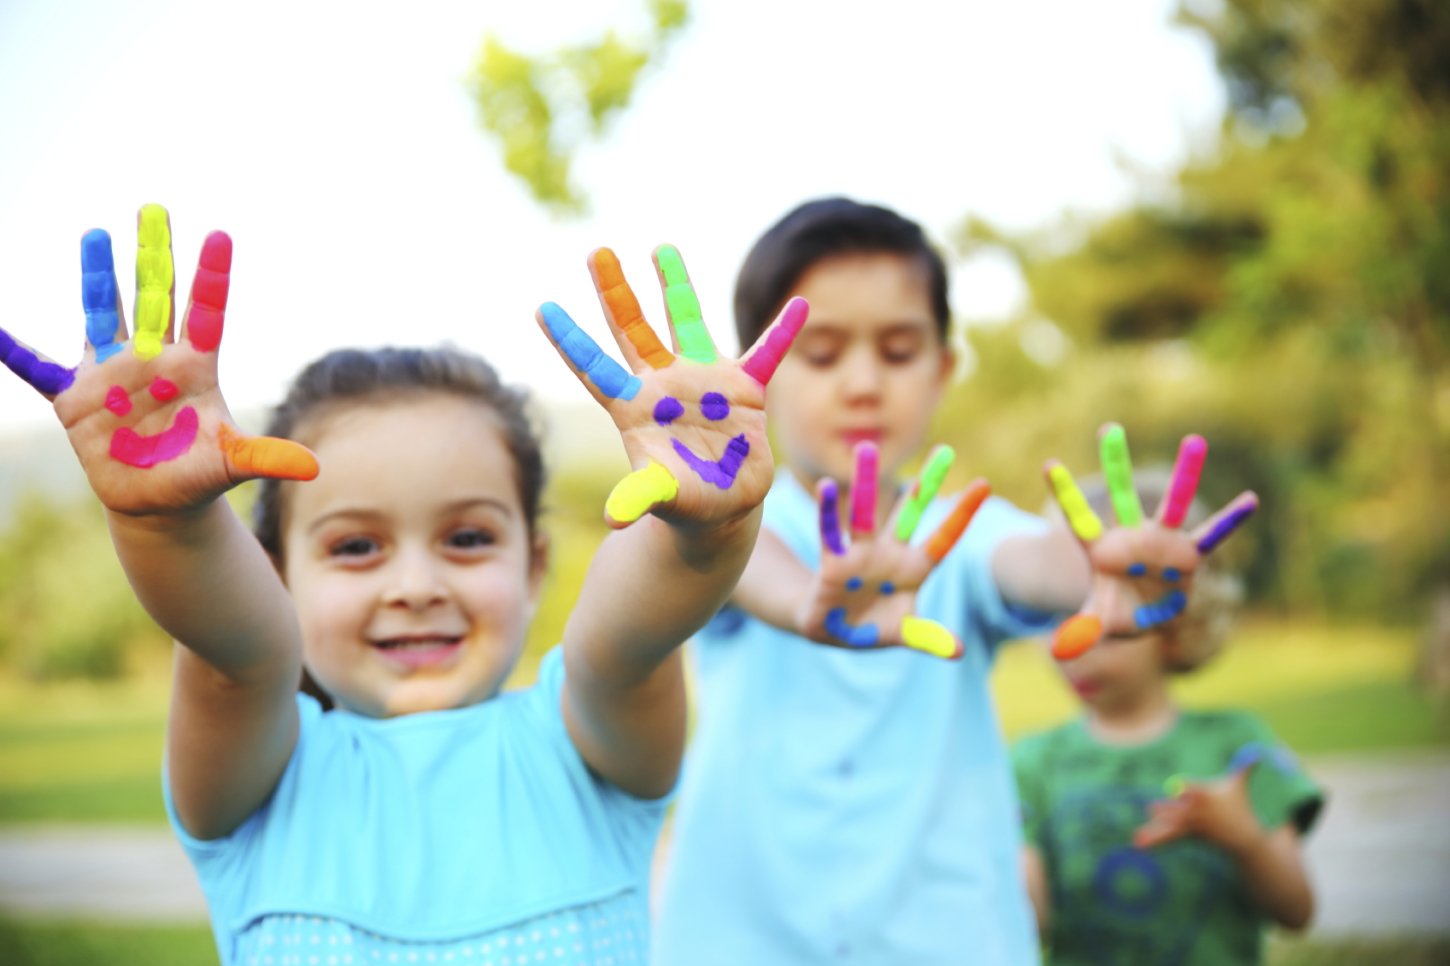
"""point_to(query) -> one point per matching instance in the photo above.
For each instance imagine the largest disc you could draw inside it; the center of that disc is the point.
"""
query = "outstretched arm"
(152, 431)
(693, 425)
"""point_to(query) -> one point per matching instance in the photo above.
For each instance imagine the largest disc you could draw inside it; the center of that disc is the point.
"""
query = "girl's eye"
(353, 547)
(470, 538)
(901, 347)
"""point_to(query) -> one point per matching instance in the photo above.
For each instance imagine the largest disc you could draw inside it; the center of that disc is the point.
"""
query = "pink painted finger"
(206, 314)
(1184, 484)
(776, 342)
(863, 489)
(1217, 528)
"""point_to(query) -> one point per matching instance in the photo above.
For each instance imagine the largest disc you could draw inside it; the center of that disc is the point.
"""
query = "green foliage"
(1291, 303)
(66, 609)
(72, 943)
(543, 109)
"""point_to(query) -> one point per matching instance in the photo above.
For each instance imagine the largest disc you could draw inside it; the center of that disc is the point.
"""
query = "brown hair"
(815, 231)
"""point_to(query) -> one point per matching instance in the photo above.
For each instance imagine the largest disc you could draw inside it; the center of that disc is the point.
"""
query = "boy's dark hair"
(818, 230)
(356, 376)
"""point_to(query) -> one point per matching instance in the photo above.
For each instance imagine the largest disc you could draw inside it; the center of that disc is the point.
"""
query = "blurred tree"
(542, 109)
(1292, 302)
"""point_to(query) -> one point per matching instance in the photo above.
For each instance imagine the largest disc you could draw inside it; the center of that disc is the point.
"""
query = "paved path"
(1380, 858)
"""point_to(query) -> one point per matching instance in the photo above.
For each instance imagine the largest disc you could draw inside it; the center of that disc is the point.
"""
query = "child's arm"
(148, 422)
(1269, 859)
(693, 425)
(1034, 871)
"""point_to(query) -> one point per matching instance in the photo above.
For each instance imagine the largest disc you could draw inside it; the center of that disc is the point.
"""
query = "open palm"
(144, 413)
(692, 421)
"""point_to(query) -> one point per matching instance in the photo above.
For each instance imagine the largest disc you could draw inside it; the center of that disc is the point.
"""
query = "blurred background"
(1229, 217)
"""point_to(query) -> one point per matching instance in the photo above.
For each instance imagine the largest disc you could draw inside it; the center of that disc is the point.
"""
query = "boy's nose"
(416, 582)
(861, 372)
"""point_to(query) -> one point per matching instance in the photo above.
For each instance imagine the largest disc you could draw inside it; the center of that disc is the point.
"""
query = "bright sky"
(337, 144)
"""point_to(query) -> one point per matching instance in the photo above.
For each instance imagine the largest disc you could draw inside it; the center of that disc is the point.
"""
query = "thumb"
(267, 456)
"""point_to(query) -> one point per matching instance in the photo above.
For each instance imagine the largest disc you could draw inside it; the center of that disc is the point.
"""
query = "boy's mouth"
(419, 650)
(854, 436)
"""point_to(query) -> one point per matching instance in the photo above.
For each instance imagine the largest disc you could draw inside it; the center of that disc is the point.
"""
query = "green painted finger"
(684, 308)
(155, 278)
(1080, 516)
(924, 490)
(1118, 469)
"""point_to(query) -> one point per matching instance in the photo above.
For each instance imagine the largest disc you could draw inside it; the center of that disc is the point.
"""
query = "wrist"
(697, 542)
(176, 523)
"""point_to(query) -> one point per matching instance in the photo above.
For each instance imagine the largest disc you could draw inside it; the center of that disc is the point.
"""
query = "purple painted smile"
(721, 472)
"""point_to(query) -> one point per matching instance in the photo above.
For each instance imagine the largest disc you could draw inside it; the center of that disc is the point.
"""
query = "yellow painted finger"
(155, 280)
(1080, 516)
(931, 637)
(633, 496)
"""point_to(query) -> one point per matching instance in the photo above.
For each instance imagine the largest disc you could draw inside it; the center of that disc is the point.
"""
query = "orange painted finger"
(940, 543)
(1076, 635)
(280, 459)
(624, 307)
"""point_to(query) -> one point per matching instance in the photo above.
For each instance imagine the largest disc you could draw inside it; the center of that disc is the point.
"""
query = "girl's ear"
(538, 564)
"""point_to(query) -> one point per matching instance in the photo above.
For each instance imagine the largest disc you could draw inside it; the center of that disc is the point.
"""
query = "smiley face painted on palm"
(688, 416)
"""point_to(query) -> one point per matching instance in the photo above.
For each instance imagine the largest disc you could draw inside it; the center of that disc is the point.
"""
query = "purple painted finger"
(1218, 528)
(831, 518)
(47, 378)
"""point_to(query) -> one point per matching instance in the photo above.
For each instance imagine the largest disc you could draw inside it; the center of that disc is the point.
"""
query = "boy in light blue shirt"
(859, 807)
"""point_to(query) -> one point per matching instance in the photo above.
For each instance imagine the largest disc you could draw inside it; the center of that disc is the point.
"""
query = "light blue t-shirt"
(852, 806)
(476, 836)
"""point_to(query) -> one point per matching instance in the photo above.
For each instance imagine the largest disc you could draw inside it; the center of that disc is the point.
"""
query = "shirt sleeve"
(1279, 788)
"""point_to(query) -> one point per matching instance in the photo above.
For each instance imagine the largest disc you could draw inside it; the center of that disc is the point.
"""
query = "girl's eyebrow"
(456, 506)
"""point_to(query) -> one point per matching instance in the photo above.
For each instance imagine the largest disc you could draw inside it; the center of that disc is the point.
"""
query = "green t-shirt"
(1178, 904)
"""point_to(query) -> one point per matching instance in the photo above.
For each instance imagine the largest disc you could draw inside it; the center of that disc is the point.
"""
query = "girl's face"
(1117, 672)
(869, 365)
(409, 558)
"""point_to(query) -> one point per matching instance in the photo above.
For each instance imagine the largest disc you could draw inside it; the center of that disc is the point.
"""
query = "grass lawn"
(1322, 689)
(71, 944)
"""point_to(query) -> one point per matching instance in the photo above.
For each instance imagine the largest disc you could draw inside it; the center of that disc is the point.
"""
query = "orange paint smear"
(1076, 635)
(619, 297)
(279, 459)
(946, 536)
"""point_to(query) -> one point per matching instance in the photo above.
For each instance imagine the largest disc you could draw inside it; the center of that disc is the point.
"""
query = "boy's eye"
(901, 346)
(470, 538)
(820, 349)
(353, 547)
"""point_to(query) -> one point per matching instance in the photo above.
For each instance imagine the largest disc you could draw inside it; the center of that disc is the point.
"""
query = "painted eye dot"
(854, 583)
(667, 410)
(1172, 575)
(1137, 570)
(117, 401)
(163, 389)
(887, 587)
(714, 406)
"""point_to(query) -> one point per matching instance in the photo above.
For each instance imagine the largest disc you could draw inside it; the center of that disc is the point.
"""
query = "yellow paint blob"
(633, 496)
(155, 279)
(931, 637)
(1080, 516)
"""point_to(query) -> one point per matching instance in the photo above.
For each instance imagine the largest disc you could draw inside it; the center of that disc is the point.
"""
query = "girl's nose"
(416, 581)
(861, 375)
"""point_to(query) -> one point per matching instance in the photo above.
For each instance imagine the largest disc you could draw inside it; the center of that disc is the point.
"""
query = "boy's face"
(869, 365)
(1116, 672)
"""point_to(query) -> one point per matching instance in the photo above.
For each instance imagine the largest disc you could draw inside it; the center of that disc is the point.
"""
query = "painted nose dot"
(1172, 575)
(854, 583)
(1137, 570)
(163, 389)
(887, 587)
(117, 401)
(667, 410)
(714, 406)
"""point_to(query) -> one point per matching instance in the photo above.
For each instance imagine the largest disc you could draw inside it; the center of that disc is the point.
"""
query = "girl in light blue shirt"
(406, 811)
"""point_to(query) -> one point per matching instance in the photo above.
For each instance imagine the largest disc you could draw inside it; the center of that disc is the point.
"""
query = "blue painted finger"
(838, 627)
(45, 377)
(1161, 611)
(607, 375)
(100, 295)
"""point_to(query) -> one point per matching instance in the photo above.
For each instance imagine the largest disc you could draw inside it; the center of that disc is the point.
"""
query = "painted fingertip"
(925, 635)
(830, 518)
(1239, 511)
(609, 377)
(155, 280)
(634, 496)
(1187, 470)
(865, 635)
(44, 377)
(863, 488)
(684, 307)
(1161, 611)
(1080, 515)
(267, 456)
(206, 315)
(1076, 635)
(1118, 471)
(923, 490)
(766, 359)
(941, 542)
(99, 294)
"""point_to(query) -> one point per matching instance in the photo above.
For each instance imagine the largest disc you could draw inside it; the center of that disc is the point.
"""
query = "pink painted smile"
(133, 449)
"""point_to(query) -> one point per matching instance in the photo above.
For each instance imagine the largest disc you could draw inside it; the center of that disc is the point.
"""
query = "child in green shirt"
(1157, 836)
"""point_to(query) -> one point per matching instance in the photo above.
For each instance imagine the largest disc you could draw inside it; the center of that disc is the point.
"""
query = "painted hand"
(864, 595)
(1218, 810)
(1142, 568)
(693, 423)
(149, 425)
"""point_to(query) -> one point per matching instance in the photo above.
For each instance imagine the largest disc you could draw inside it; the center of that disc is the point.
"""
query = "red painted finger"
(206, 313)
